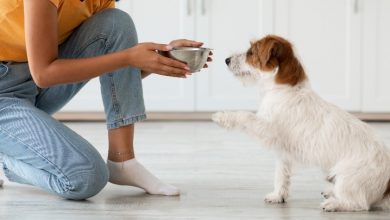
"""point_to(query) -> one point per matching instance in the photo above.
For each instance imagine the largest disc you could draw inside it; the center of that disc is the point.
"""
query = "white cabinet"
(375, 53)
(227, 26)
(326, 35)
(87, 100)
(342, 44)
(165, 21)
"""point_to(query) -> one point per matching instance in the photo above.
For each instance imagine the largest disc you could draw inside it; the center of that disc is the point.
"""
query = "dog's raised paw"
(222, 119)
(274, 198)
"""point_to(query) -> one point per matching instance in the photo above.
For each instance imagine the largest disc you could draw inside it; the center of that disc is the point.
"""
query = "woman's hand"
(146, 57)
(190, 43)
(185, 43)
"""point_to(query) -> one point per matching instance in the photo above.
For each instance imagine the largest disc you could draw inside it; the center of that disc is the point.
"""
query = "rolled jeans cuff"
(126, 121)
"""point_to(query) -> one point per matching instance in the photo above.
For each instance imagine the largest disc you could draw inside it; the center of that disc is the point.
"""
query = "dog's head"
(271, 57)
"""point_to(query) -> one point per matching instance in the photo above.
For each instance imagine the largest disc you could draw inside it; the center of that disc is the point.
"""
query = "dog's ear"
(267, 50)
(278, 52)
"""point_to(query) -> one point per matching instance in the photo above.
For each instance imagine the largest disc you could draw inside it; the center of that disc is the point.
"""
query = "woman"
(49, 49)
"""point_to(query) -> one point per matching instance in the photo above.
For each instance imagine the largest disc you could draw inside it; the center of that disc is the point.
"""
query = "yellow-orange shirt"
(71, 13)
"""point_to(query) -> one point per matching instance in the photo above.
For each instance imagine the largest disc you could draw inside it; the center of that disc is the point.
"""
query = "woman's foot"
(132, 173)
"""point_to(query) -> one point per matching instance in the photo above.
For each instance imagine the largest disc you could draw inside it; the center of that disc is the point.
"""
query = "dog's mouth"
(241, 74)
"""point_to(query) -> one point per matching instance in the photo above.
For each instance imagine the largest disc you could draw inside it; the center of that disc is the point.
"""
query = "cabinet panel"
(156, 21)
(88, 99)
(376, 47)
(342, 44)
(326, 35)
(163, 21)
(227, 26)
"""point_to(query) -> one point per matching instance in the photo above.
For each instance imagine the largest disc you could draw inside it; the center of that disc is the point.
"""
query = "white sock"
(132, 173)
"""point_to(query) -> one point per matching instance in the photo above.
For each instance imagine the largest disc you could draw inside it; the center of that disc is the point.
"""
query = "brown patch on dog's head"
(272, 52)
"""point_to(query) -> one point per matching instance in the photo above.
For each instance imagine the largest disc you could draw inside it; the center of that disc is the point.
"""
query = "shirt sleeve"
(55, 2)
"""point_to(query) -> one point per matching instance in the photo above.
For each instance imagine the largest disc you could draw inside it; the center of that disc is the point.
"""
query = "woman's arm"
(48, 70)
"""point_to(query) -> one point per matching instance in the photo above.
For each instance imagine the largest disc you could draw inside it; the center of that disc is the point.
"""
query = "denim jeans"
(37, 149)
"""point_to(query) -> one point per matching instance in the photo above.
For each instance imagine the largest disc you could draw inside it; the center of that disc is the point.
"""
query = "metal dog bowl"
(194, 57)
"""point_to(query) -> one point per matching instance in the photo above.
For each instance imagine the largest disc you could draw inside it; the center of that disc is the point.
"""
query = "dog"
(302, 128)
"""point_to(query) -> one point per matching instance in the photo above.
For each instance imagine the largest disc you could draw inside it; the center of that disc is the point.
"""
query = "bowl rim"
(190, 49)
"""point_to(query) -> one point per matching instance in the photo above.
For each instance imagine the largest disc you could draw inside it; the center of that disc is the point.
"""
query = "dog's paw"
(330, 205)
(327, 194)
(274, 198)
(224, 119)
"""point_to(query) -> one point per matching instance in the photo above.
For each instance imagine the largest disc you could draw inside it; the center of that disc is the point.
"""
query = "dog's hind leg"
(282, 182)
(327, 193)
(357, 187)
(344, 199)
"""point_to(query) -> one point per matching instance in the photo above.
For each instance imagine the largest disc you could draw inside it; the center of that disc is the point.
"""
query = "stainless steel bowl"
(194, 57)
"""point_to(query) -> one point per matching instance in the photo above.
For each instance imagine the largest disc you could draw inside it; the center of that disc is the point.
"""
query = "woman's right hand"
(145, 57)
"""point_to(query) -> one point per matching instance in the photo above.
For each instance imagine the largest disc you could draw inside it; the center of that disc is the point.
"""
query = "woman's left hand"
(183, 43)
(190, 43)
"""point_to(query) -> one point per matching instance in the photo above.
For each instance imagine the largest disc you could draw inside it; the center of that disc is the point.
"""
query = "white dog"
(303, 128)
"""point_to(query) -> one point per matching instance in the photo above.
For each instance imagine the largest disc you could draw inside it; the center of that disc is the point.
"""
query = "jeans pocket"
(3, 70)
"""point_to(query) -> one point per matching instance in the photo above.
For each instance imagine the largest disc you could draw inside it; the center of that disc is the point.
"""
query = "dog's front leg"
(233, 119)
(282, 182)
(251, 124)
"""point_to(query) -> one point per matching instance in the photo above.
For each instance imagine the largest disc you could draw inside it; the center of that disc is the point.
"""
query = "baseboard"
(187, 116)
(152, 116)
(380, 116)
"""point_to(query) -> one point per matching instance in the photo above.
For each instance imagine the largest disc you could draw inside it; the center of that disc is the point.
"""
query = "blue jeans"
(40, 151)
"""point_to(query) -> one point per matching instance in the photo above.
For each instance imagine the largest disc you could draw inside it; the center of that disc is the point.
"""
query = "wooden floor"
(223, 175)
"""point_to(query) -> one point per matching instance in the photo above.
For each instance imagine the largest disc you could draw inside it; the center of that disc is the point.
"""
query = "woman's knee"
(87, 183)
(123, 26)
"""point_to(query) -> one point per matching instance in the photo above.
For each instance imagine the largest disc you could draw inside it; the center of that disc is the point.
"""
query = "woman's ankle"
(116, 156)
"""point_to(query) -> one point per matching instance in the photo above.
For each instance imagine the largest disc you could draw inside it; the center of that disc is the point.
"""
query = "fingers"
(209, 59)
(174, 71)
(173, 63)
(160, 47)
(170, 67)
(185, 43)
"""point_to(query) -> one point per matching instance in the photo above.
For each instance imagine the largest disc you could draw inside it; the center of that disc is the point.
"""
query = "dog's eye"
(250, 52)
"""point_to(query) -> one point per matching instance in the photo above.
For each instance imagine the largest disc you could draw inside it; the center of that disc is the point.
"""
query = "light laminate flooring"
(223, 175)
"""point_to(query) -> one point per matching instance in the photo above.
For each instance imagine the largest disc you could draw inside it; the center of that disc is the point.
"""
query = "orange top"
(71, 13)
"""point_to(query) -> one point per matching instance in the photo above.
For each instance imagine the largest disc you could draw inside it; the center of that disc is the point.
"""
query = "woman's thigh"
(42, 151)
(108, 31)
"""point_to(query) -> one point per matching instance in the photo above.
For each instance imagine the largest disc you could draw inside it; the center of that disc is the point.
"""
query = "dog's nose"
(227, 61)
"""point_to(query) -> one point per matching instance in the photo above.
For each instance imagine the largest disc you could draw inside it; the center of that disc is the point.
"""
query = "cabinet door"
(156, 21)
(326, 35)
(376, 47)
(227, 26)
(163, 21)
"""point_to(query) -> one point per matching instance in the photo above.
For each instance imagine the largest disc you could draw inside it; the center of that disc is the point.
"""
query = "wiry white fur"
(303, 128)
